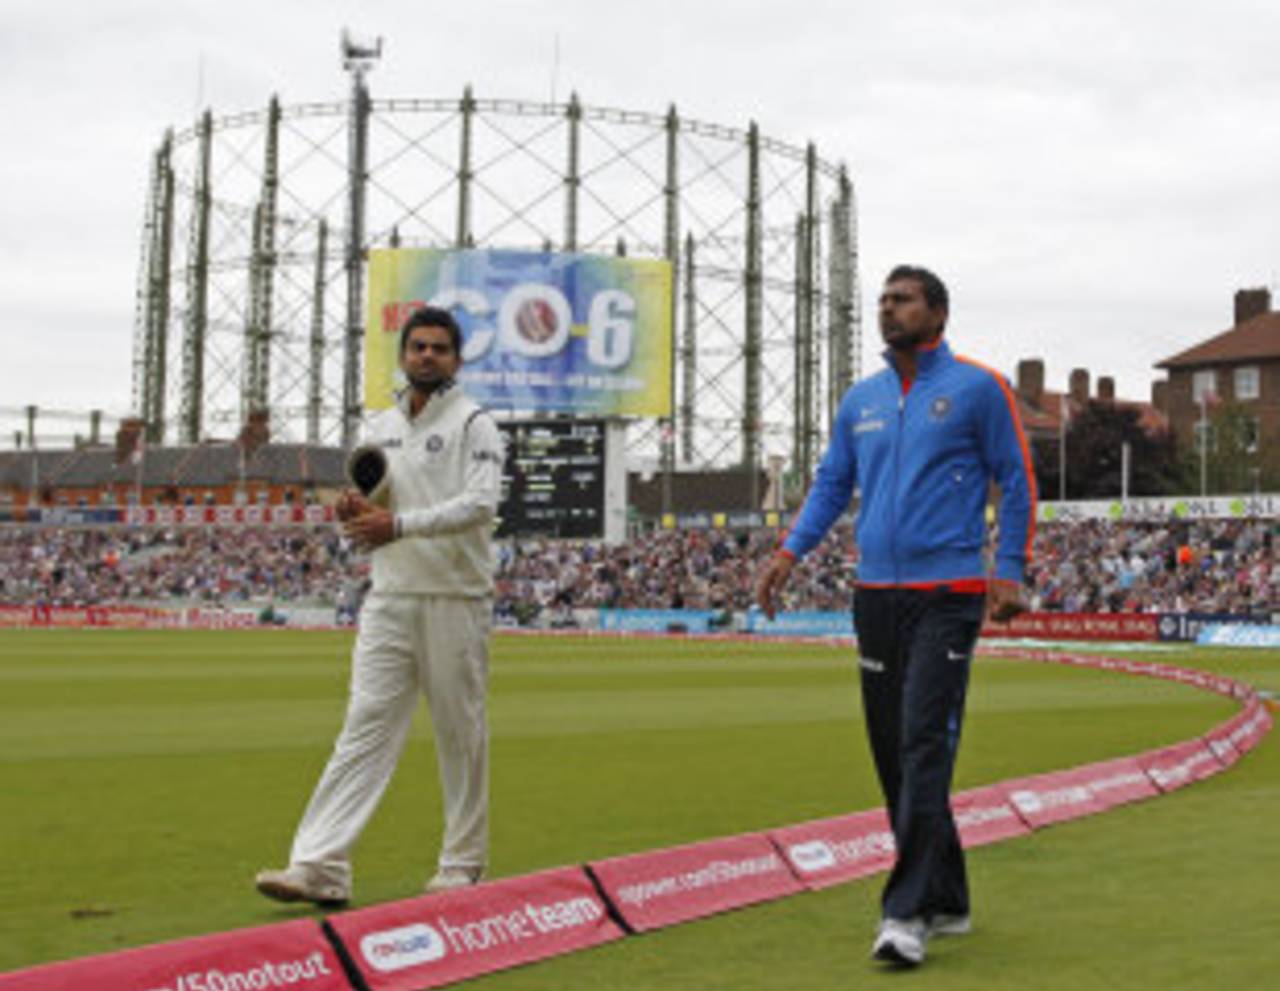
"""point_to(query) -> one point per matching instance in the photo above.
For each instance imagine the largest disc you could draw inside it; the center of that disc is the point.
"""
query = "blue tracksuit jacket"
(923, 462)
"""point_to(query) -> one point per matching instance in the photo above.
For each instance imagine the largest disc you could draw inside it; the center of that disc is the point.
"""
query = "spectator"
(1226, 566)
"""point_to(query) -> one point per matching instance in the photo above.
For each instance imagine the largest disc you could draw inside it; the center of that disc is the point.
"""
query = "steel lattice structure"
(250, 290)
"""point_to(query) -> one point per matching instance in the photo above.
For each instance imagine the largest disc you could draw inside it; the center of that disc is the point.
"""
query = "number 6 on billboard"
(612, 328)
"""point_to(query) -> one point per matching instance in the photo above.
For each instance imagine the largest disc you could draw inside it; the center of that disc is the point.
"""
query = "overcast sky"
(1093, 178)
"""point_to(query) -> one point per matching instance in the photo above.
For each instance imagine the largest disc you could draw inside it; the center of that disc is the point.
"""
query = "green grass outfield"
(145, 777)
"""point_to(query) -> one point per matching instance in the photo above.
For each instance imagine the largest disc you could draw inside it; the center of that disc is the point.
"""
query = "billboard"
(565, 333)
(1161, 508)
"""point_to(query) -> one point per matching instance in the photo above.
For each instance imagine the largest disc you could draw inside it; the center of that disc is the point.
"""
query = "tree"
(1235, 461)
(1095, 441)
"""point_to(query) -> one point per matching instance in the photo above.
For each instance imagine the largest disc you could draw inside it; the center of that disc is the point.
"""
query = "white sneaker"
(448, 878)
(949, 925)
(299, 883)
(901, 941)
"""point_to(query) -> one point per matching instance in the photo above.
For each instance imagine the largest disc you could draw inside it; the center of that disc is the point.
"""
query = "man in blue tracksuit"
(922, 440)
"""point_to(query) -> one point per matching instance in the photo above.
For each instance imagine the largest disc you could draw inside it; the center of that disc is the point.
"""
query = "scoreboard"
(553, 479)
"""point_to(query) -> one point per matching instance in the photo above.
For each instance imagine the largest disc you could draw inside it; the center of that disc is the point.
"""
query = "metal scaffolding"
(765, 321)
(197, 282)
(315, 372)
(256, 397)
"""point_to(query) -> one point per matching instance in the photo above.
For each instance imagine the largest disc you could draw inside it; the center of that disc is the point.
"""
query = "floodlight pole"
(315, 377)
(753, 285)
(1203, 431)
(573, 174)
(689, 348)
(467, 111)
(1062, 448)
(357, 59)
(671, 251)
(196, 320)
(35, 456)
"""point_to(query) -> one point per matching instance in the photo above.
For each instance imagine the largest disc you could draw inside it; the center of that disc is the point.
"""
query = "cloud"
(1096, 179)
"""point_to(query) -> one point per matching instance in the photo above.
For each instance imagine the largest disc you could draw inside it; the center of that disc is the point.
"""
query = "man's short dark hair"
(935, 290)
(432, 316)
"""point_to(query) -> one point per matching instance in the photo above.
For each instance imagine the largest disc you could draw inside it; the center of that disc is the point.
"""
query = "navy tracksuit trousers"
(915, 650)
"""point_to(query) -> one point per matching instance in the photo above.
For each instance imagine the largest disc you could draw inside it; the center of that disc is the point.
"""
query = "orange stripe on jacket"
(1027, 463)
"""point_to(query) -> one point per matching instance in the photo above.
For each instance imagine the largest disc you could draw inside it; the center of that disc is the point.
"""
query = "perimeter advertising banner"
(984, 815)
(662, 887)
(831, 851)
(439, 939)
(292, 954)
(566, 333)
(1258, 505)
(1077, 626)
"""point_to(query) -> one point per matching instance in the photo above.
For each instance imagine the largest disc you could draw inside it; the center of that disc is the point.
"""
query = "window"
(1252, 430)
(1247, 382)
(1204, 384)
(1204, 436)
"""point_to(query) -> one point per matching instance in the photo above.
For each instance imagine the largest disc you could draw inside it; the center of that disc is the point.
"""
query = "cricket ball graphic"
(536, 321)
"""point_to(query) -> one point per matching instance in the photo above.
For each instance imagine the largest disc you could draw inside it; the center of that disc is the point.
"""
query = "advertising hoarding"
(567, 333)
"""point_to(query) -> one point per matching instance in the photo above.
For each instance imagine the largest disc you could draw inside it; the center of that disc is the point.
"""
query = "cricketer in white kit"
(424, 627)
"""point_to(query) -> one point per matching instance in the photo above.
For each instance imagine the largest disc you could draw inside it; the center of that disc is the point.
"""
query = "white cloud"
(1095, 179)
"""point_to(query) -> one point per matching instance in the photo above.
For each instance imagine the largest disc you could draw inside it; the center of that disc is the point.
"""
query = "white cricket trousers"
(408, 643)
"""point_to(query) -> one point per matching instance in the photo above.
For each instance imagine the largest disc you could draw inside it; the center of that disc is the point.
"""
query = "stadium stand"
(1205, 566)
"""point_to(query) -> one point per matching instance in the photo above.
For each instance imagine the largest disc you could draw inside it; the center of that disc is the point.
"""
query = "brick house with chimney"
(1045, 413)
(1042, 409)
(1240, 365)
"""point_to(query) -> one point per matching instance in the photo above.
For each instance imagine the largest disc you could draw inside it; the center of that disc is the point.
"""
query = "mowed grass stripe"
(283, 705)
(600, 747)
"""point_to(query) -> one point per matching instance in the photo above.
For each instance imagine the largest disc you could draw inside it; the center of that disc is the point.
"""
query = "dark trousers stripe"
(915, 651)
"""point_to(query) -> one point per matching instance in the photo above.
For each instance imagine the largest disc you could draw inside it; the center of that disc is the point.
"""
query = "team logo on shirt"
(868, 421)
(940, 408)
(435, 444)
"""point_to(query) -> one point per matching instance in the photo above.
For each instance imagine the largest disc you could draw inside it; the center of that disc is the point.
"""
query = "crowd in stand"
(225, 565)
(1209, 566)
(691, 569)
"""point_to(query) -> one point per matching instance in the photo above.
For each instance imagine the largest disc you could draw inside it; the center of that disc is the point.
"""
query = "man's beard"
(426, 386)
(903, 342)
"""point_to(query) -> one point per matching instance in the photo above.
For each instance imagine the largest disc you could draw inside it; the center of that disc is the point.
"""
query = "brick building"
(1239, 366)
(1042, 409)
(203, 474)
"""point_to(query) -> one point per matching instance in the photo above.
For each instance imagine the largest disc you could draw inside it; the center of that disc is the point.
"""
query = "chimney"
(256, 431)
(1160, 396)
(1031, 381)
(1079, 386)
(1252, 303)
(127, 436)
(1106, 388)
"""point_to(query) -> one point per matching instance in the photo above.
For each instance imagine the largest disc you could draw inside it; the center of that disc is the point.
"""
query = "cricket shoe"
(449, 878)
(299, 883)
(901, 942)
(943, 924)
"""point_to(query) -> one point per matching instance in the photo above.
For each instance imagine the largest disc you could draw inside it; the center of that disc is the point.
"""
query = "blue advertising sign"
(801, 624)
(1239, 635)
(542, 331)
(657, 620)
(1186, 627)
